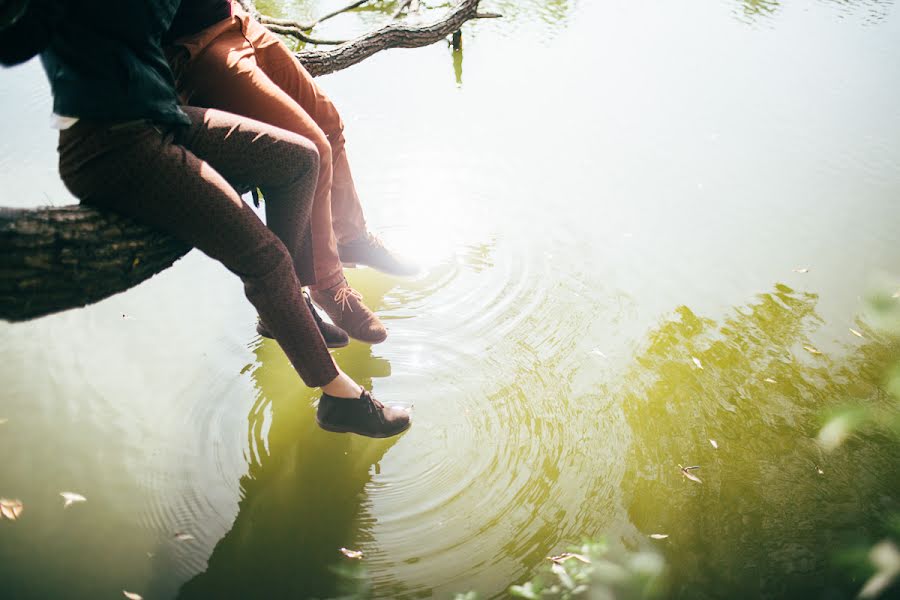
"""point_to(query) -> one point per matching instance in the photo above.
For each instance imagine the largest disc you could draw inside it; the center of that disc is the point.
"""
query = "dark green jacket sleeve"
(29, 32)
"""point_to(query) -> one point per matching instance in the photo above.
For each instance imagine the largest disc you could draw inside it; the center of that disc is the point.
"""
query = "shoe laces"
(374, 406)
(343, 295)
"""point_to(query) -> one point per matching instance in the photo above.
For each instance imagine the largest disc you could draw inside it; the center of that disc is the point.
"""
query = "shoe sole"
(376, 436)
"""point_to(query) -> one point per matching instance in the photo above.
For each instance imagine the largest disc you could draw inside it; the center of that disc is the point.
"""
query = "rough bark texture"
(56, 258)
(398, 34)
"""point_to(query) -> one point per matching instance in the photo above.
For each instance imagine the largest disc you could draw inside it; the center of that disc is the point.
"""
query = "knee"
(306, 157)
(323, 146)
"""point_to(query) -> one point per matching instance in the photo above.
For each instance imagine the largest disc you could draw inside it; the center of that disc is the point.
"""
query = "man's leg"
(138, 171)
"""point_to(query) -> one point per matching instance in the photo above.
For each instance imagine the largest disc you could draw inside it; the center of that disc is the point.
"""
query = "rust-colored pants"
(240, 66)
(174, 178)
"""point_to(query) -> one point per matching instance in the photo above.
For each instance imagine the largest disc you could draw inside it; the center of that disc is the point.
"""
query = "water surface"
(600, 192)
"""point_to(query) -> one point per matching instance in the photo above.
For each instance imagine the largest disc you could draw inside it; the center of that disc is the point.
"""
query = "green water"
(599, 192)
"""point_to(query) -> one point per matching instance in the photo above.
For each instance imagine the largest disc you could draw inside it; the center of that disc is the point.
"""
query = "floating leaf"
(72, 498)
(697, 362)
(354, 554)
(597, 352)
(183, 537)
(811, 350)
(11, 509)
(659, 536)
(561, 558)
(714, 443)
(855, 332)
(820, 471)
(686, 471)
(769, 380)
(132, 595)
(801, 270)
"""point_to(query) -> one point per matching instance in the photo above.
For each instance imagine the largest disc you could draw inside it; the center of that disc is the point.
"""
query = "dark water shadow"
(302, 497)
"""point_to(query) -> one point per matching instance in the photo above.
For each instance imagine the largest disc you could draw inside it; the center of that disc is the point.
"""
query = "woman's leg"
(226, 75)
(282, 67)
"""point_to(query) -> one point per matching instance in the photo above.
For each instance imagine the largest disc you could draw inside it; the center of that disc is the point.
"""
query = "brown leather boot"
(344, 305)
(364, 415)
(369, 250)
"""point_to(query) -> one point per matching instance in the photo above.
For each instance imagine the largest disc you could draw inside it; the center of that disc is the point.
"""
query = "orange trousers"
(239, 66)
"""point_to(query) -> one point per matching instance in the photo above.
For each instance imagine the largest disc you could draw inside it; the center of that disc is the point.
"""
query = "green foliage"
(593, 570)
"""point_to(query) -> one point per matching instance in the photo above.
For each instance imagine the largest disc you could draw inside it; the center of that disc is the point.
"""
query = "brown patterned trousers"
(176, 179)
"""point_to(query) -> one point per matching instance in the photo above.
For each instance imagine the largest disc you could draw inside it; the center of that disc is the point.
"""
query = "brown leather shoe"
(344, 305)
(364, 416)
(334, 336)
(369, 250)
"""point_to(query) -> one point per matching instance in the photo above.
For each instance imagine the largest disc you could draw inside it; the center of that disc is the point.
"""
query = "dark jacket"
(102, 57)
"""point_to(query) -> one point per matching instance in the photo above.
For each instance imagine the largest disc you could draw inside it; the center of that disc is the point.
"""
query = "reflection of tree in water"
(552, 12)
(764, 522)
(301, 498)
(871, 11)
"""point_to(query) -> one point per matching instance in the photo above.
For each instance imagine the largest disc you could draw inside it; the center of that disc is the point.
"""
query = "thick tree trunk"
(56, 258)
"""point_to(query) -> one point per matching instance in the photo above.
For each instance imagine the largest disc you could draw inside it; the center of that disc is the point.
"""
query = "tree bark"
(57, 258)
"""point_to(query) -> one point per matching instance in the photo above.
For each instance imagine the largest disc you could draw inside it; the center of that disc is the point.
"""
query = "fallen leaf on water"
(855, 332)
(355, 554)
(72, 498)
(686, 471)
(597, 352)
(183, 537)
(11, 509)
(811, 350)
(801, 270)
(714, 443)
(820, 471)
(561, 558)
(132, 595)
(697, 362)
(769, 380)
(659, 536)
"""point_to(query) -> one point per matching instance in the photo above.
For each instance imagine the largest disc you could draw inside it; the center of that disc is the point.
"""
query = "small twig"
(403, 5)
(298, 33)
(342, 10)
(488, 15)
(308, 26)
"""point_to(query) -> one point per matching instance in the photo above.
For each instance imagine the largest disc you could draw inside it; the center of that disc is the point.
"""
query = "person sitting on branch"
(127, 146)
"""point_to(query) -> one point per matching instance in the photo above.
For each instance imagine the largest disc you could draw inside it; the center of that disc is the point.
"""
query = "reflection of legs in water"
(301, 502)
(176, 181)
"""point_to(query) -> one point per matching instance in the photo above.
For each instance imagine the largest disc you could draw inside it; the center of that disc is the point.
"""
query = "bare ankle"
(342, 386)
